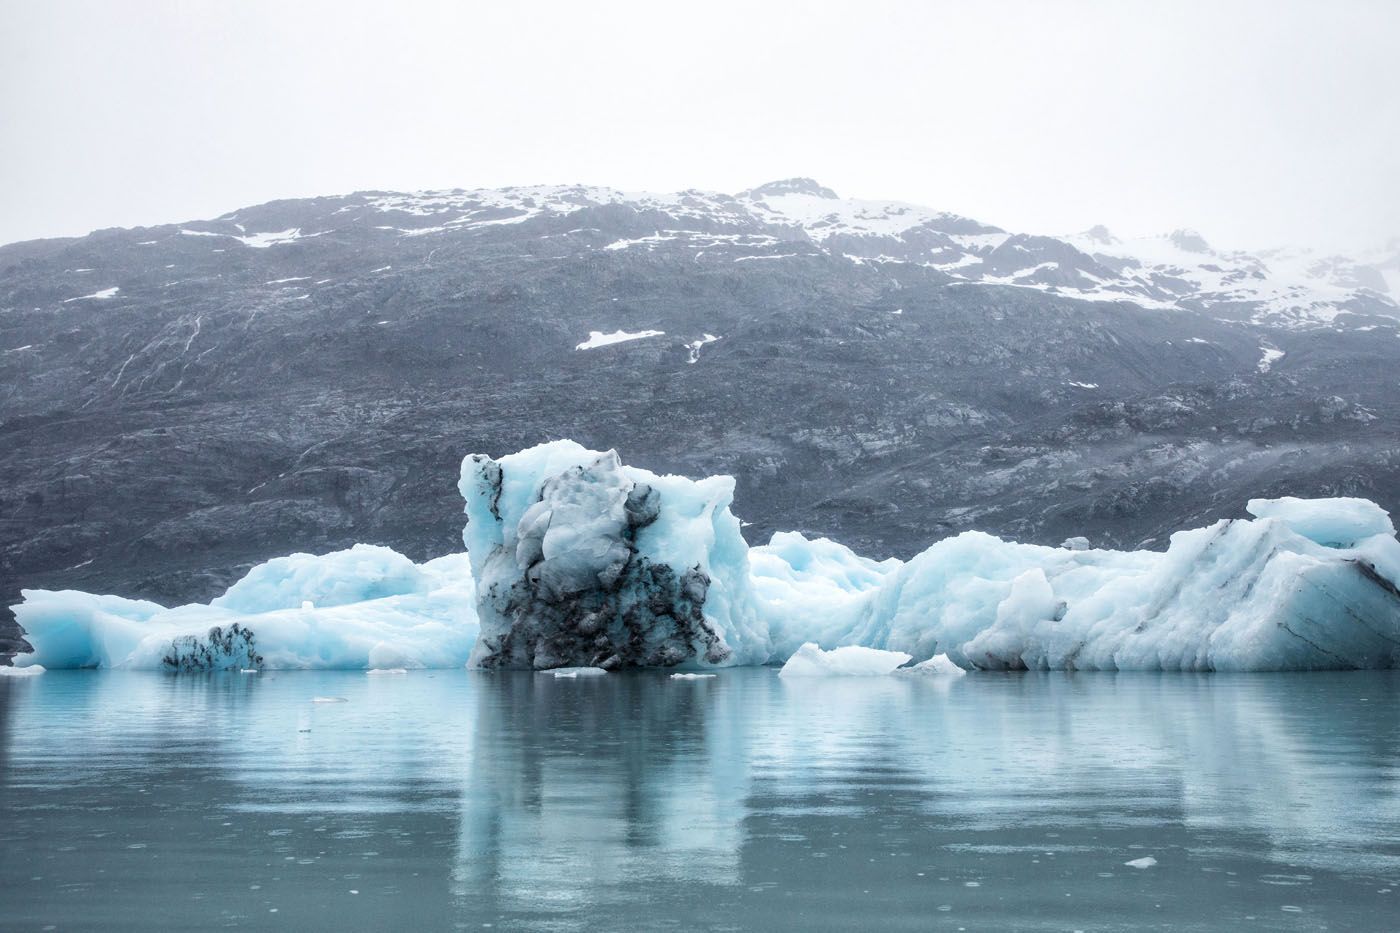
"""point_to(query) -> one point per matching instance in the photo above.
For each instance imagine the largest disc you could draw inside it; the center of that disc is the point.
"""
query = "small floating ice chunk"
(596, 338)
(388, 670)
(248, 670)
(851, 661)
(32, 670)
(577, 672)
(1144, 862)
(939, 665)
(690, 676)
(329, 700)
(1337, 523)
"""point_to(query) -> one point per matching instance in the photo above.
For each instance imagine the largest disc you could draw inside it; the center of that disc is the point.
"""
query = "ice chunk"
(428, 621)
(31, 670)
(387, 670)
(690, 675)
(582, 561)
(812, 589)
(361, 573)
(1077, 543)
(1145, 862)
(570, 672)
(1238, 595)
(1336, 523)
(939, 664)
(849, 661)
(329, 700)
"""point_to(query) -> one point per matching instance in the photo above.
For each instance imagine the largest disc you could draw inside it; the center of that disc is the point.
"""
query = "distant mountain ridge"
(1296, 287)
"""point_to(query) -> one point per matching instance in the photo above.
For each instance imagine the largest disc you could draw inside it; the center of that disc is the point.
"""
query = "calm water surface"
(520, 801)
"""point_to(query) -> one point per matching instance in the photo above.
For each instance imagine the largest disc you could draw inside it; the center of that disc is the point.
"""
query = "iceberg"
(938, 666)
(574, 560)
(366, 607)
(581, 561)
(851, 661)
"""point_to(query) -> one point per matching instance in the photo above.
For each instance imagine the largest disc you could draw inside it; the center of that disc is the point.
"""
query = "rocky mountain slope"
(178, 402)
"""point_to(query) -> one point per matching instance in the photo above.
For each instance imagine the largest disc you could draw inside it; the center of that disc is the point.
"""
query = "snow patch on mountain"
(596, 338)
(101, 295)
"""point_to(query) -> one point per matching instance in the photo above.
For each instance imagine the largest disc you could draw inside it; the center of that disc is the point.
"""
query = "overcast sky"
(1258, 123)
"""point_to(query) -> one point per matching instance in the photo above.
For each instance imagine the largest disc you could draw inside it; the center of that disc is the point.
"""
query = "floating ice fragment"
(1144, 862)
(940, 665)
(387, 670)
(849, 661)
(32, 670)
(570, 672)
(329, 700)
(690, 676)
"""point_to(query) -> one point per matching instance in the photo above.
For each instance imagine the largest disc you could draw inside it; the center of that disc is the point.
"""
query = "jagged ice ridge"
(575, 560)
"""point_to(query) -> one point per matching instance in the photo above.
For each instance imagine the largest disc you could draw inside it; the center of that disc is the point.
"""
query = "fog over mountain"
(179, 402)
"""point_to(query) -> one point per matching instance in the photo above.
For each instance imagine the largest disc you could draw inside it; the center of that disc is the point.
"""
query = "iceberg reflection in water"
(745, 800)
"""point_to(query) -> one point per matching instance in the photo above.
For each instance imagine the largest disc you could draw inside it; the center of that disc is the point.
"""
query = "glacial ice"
(576, 672)
(939, 665)
(580, 560)
(1336, 523)
(575, 560)
(365, 607)
(850, 661)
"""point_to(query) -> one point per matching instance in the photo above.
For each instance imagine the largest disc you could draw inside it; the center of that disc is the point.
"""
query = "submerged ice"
(575, 560)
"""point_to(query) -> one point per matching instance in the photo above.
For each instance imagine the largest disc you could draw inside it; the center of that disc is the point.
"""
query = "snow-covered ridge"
(578, 561)
(1179, 270)
(797, 218)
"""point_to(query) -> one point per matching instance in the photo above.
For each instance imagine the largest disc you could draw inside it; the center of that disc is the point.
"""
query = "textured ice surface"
(581, 561)
(1238, 595)
(366, 607)
(1339, 523)
(938, 665)
(577, 561)
(810, 660)
(575, 672)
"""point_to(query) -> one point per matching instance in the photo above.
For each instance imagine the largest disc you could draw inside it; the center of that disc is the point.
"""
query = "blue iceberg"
(576, 560)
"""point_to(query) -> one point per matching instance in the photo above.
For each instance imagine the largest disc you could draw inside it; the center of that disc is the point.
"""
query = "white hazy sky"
(1258, 123)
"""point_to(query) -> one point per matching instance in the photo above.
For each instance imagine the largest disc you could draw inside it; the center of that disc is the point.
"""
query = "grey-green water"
(516, 801)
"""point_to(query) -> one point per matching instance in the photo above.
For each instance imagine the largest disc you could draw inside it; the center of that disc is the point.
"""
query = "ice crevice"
(575, 560)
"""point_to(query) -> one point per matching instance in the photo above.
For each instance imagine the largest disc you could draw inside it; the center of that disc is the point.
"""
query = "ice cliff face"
(577, 560)
(580, 560)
